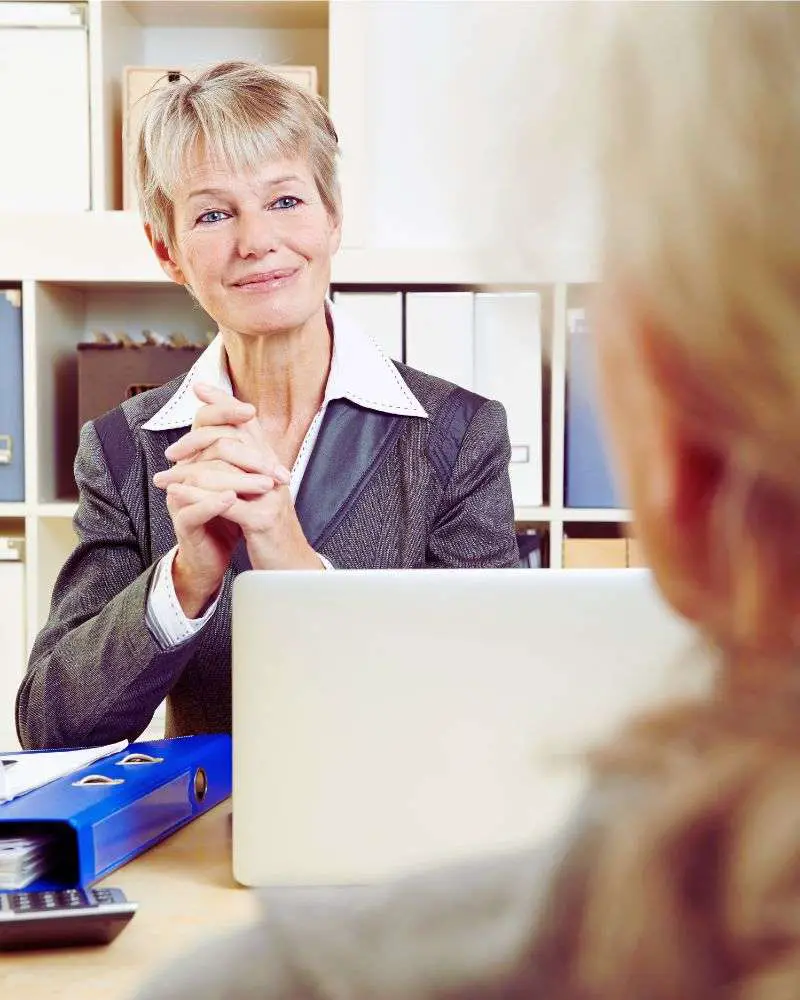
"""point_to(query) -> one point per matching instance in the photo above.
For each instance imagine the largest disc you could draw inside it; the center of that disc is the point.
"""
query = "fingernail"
(170, 451)
(284, 473)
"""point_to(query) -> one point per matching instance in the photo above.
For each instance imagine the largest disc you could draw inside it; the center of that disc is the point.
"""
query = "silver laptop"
(386, 720)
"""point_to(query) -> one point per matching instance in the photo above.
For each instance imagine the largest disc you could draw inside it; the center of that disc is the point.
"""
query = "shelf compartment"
(63, 315)
(187, 36)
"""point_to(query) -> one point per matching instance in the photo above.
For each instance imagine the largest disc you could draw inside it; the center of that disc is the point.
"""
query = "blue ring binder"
(103, 824)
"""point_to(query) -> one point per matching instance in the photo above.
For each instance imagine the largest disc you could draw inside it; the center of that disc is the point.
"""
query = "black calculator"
(63, 917)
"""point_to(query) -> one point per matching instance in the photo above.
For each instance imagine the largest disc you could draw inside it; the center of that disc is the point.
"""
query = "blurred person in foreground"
(678, 877)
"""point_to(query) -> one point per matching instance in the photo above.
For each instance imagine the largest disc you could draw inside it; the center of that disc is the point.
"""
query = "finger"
(243, 514)
(246, 457)
(197, 440)
(224, 410)
(212, 394)
(180, 495)
(218, 478)
(226, 444)
(191, 507)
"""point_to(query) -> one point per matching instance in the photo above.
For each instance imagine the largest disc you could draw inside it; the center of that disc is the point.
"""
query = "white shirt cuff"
(325, 562)
(164, 615)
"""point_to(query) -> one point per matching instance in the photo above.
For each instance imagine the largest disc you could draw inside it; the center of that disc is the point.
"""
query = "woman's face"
(255, 248)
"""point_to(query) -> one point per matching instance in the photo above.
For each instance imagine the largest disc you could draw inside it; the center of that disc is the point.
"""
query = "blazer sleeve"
(96, 674)
(474, 523)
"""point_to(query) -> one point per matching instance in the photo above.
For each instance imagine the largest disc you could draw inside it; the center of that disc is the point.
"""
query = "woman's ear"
(670, 480)
(335, 236)
(693, 476)
(161, 250)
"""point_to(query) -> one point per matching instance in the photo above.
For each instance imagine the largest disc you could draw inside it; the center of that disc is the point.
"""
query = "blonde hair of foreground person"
(696, 893)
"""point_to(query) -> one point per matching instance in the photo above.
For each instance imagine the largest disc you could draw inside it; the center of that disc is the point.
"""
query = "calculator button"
(71, 898)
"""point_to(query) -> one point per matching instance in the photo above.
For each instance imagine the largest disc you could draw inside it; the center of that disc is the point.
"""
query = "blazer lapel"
(351, 444)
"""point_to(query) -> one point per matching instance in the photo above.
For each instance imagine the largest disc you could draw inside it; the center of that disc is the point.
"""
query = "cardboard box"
(635, 553)
(139, 81)
(595, 553)
(108, 374)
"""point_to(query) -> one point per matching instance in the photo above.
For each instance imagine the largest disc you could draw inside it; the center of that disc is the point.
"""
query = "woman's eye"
(287, 201)
(215, 215)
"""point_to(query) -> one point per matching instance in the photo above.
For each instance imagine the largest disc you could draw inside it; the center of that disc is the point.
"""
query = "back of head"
(696, 893)
(698, 121)
(240, 114)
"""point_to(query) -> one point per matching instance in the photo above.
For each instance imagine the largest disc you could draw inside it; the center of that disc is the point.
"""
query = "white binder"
(508, 367)
(379, 314)
(45, 163)
(12, 667)
(439, 335)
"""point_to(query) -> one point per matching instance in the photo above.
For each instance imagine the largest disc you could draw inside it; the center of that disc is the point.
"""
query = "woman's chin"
(262, 325)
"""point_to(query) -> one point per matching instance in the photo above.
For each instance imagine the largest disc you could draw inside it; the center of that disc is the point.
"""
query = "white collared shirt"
(360, 372)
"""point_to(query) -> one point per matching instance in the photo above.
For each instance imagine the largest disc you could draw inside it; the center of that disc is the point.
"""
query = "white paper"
(23, 859)
(22, 772)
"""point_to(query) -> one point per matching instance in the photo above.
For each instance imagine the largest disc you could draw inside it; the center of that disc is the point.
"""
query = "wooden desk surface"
(185, 891)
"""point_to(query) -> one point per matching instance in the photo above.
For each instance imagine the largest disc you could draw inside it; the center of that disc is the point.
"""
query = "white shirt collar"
(360, 372)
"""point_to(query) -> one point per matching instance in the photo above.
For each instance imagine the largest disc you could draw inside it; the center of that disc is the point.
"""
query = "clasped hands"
(227, 483)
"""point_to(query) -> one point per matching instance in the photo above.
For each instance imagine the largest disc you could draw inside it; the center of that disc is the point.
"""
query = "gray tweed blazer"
(379, 491)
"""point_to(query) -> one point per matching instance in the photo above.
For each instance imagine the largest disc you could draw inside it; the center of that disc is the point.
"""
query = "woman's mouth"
(266, 281)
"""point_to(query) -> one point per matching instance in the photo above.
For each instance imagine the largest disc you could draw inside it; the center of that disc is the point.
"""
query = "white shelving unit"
(95, 269)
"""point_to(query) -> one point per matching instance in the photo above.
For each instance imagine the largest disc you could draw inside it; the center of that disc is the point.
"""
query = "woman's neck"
(282, 374)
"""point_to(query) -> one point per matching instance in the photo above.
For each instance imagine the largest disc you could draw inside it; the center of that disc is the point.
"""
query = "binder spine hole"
(90, 780)
(200, 784)
(139, 758)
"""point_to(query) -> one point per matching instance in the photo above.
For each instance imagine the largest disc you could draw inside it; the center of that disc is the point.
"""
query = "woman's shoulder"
(117, 438)
(144, 405)
(499, 924)
(434, 393)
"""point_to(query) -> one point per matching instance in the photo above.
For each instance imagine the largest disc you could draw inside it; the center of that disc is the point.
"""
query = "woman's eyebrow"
(288, 178)
(214, 192)
(223, 193)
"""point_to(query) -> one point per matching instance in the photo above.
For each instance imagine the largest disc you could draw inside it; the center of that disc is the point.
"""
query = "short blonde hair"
(240, 113)
(699, 128)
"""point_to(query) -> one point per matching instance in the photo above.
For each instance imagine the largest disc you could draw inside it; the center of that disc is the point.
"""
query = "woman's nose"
(256, 235)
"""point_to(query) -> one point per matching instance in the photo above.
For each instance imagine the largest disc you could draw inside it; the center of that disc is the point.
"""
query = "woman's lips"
(266, 280)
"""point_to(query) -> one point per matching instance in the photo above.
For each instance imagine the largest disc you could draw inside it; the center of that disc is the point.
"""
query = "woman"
(678, 880)
(293, 443)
